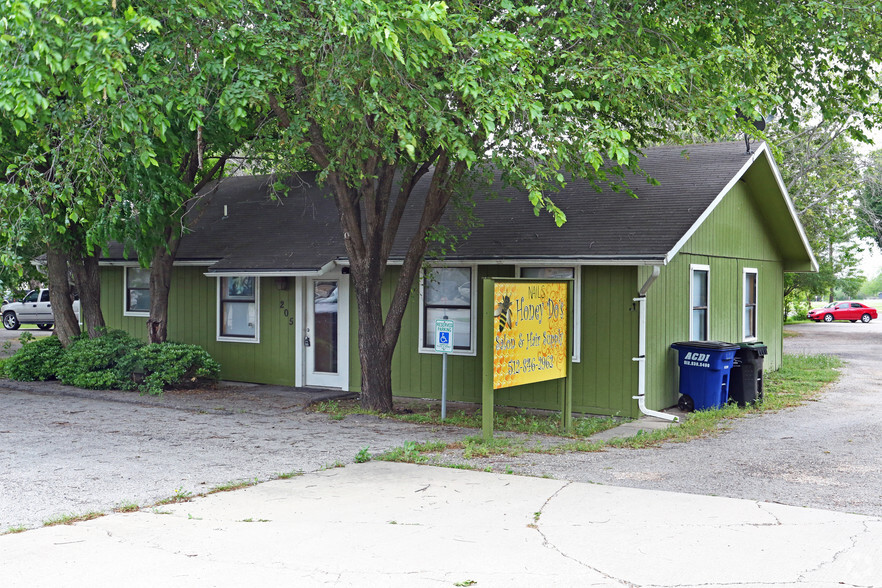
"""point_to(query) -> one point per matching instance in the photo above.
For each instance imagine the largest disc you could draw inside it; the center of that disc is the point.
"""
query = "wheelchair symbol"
(444, 338)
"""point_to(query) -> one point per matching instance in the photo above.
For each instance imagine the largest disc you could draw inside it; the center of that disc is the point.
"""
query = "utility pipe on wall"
(641, 352)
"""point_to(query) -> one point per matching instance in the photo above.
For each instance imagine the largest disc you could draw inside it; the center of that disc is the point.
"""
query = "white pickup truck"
(34, 308)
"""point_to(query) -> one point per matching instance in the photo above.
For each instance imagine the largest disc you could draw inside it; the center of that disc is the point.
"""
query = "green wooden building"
(263, 283)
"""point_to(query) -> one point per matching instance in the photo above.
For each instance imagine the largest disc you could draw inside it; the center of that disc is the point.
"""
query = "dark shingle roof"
(301, 232)
(610, 224)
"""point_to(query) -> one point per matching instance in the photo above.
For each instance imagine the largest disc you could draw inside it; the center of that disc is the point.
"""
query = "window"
(32, 296)
(749, 303)
(44, 296)
(698, 320)
(448, 293)
(137, 291)
(557, 273)
(238, 309)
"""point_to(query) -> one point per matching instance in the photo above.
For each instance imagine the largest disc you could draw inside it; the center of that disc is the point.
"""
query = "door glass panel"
(325, 310)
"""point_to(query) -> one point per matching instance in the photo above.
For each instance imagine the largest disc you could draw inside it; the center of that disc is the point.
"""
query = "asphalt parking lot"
(64, 451)
(824, 454)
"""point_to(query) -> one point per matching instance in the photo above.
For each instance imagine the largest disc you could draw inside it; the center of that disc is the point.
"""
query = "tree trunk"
(832, 287)
(376, 373)
(88, 281)
(66, 325)
(160, 285)
(368, 246)
(374, 353)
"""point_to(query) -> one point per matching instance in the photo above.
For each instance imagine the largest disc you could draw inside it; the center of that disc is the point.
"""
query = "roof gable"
(774, 204)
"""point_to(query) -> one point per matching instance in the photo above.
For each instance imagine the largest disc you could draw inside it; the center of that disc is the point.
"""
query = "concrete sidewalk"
(389, 524)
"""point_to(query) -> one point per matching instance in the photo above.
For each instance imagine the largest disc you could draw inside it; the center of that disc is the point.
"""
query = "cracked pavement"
(824, 454)
(392, 524)
(737, 515)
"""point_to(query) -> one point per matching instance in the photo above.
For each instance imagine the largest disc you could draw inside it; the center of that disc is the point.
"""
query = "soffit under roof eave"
(134, 263)
(800, 267)
(272, 273)
(559, 260)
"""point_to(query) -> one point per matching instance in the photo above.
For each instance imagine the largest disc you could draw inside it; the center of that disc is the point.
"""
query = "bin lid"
(757, 347)
(717, 345)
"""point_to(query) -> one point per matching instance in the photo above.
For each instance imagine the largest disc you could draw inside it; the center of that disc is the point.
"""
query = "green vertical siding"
(193, 319)
(603, 381)
(733, 237)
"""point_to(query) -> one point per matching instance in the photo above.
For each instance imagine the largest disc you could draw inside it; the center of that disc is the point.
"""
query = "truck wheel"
(44, 326)
(10, 321)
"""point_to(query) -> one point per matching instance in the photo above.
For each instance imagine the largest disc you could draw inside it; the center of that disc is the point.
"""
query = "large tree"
(381, 94)
(178, 75)
(121, 116)
(871, 197)
(822, 169)
(63, 111)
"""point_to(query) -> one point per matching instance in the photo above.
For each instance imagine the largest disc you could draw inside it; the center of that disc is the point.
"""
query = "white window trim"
(577, 301)
(125, 292)
(755, 272)
(218, 313)
(473, 313)
(700, 267)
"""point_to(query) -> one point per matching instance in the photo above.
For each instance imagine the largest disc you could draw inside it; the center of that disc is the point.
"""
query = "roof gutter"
(641, 351)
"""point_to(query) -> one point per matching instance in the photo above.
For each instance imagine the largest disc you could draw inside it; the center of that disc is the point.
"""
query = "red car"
(843, 311)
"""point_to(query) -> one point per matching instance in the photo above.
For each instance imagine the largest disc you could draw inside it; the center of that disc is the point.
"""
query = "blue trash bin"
(704, 373)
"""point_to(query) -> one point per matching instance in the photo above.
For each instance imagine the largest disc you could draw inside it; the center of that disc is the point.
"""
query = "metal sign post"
(444, 345)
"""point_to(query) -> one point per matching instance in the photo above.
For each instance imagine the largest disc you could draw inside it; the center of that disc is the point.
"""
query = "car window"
(841, 306)
(44, 296)
(31, 297)
(856, 305)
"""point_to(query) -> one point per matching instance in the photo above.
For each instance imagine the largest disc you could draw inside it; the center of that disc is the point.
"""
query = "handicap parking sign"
(444, 336)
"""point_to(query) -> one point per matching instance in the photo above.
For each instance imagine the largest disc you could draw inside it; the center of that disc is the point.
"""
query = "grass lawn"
(801, 379)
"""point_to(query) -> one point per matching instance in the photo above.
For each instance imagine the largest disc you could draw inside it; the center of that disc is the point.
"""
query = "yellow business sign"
(529, 332)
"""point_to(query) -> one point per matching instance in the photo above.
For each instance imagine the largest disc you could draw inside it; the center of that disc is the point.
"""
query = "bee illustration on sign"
(503, 313)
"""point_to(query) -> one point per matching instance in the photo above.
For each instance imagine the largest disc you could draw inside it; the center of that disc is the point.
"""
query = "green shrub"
(92, 363)
(170, 365)
(36, 360)
(114, 360)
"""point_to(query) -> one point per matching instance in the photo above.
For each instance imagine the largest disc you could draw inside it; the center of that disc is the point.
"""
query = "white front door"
(326, 341)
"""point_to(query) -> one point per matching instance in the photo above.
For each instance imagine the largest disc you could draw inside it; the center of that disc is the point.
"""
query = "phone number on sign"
(529, 364)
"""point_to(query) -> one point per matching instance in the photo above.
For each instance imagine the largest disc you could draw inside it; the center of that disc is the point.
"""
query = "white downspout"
(641, 352)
